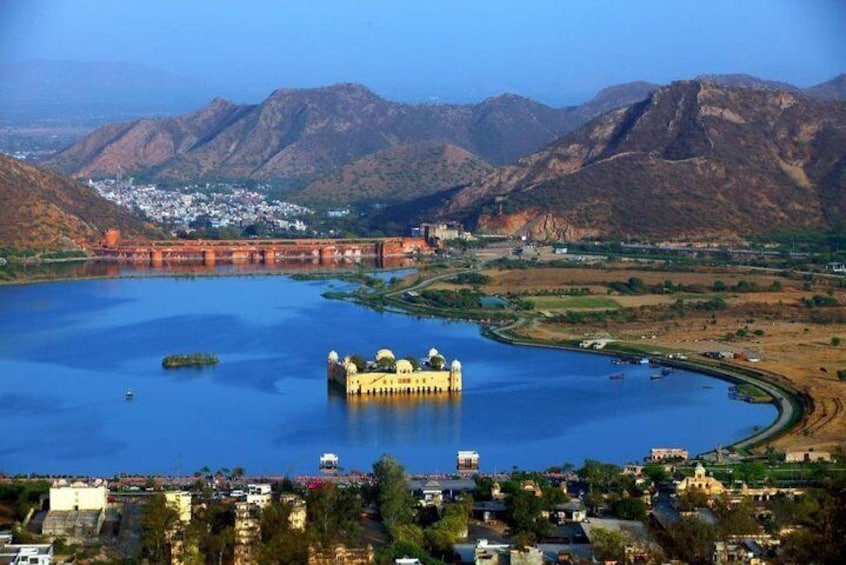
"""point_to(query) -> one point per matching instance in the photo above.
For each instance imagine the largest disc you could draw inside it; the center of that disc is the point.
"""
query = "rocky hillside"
(42, 210)
(695, 159)
(297, 136)
(834, 89)
(397, 174)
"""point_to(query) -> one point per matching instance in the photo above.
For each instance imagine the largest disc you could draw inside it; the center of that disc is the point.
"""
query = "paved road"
(785, 415)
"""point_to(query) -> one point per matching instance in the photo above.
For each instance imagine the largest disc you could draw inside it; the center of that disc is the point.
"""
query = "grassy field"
(755, 394)
(572, 302)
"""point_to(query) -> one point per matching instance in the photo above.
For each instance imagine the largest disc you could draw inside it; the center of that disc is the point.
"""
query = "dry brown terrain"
(793, 341)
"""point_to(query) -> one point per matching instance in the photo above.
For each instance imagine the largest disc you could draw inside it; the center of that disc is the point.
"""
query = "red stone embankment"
(264, 251)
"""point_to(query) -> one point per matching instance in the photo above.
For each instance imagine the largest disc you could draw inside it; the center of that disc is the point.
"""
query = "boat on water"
(617, 377)
(666, 371)
(656, 377)
(617, 361)
(129, 394)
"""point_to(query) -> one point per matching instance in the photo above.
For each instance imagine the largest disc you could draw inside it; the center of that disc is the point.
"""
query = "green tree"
(396, 504)
(359, 362)
(655, 472)
(279, 542)
(823, 540)
(750, 472)
(608, 545)
(158, 522)
(524, 514)
(603, 479)
(415, 364)
(333, 514)
(737, 519)
(386, 364)
(692, 540)
(630, 508)
(217, 535)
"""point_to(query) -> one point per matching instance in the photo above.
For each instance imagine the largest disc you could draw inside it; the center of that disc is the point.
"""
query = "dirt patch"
(774, 326)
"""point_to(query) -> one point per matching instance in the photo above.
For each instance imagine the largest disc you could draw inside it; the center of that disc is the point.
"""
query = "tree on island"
(415, 364)
(359, 362)
(386, 364)
(437, 362)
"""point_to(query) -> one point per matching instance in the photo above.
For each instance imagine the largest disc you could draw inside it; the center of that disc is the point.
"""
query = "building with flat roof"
(665, 453)
(79, 495)
(467, 461)
(259, 495)
(26, 554)
(329, 462)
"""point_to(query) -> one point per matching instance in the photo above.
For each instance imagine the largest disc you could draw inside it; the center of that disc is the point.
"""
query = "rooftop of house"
(443, 484)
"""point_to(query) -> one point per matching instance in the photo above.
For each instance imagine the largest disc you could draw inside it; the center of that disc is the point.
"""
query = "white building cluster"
(224, 204)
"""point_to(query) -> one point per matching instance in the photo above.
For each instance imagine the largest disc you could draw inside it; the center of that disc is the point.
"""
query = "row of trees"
(333, 517)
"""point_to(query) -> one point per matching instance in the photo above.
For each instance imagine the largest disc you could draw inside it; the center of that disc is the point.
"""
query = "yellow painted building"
(387, 375)
(298, 515)
(700, 481)
(78, 496)
(180, 501)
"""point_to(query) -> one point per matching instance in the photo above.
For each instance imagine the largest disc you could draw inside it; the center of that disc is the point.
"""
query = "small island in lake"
(189, 360)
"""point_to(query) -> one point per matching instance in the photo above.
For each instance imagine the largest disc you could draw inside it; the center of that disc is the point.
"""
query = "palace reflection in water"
(400, 418)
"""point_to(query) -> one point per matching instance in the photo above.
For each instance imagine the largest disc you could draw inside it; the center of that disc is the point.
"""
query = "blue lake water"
(70, 350)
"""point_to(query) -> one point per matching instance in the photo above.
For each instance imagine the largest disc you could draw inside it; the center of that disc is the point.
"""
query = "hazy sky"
(557, 51)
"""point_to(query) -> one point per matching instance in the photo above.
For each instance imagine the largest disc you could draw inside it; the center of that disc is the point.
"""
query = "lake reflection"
(69, 351)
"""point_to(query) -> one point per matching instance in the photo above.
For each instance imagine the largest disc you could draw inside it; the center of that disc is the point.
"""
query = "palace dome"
(404, 366)
(385, 354)
(333, 356)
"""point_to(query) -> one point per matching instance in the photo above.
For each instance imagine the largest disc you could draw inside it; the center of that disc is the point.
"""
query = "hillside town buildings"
(220, 205)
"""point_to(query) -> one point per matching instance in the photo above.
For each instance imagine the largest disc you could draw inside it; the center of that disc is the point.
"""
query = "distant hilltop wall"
(386, 375)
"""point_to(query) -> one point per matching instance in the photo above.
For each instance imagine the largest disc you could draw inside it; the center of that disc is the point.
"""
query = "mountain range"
(720, 156)
(694, 159)
(297, 136)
